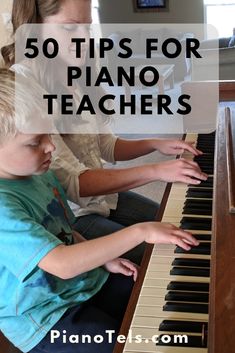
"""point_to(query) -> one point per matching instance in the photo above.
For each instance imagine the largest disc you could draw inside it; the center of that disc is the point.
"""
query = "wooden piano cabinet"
(227, 90)
(6, 346)
(221, 331)
(221, 337)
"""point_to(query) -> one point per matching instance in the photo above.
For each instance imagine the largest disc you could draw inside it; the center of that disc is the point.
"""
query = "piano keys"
(175, 298)
(175, 294)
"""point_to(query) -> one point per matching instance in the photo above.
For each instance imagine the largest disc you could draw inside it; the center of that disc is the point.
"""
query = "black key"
(191, 262)
(205, 163)
(209, 140)
(191, 271)
(187, 297)
(198, 203)
(194, 190)
(205, 148)
(188, 286)
(183, 326)
(186, 308)
(210, 160)
(197, 211)
(207, 143)
(192, 206)
(203, 237)
(202, 248)
(201, 203)
(206, 140)
(200, 193)
(208, 146)
(192, 341)
(204, 157)
(207, 167)
(207, 135)
(206, 194)
(208, 170)
(195, 223)
(206, 183)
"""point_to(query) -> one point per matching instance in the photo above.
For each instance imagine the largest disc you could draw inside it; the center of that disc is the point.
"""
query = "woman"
(78, 158)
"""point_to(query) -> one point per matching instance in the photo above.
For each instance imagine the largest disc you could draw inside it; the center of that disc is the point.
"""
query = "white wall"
(122, 11)
(180, 11)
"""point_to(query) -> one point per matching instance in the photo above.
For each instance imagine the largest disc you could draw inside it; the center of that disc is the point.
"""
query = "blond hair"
(20, 100)
(7, 109)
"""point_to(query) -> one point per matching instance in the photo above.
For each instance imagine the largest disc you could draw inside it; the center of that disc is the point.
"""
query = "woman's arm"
(106, 181)
(130, 149)
(79, 181)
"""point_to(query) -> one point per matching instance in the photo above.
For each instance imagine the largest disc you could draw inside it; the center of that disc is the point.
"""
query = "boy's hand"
(166, 233)
(173, 147)
(123, 266)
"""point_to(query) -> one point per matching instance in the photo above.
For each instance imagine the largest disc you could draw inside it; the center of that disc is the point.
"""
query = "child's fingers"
(129, 268)
(187, 237)
(183, 242)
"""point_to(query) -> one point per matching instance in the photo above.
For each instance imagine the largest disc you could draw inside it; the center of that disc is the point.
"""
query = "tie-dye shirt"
(34, 219)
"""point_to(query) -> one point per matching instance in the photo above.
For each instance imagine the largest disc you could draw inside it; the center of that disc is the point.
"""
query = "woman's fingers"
(189, 146)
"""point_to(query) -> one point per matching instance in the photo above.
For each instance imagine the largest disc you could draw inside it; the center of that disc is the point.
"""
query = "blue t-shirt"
(34, 219)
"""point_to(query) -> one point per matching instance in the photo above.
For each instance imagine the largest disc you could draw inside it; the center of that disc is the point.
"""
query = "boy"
(50, 276)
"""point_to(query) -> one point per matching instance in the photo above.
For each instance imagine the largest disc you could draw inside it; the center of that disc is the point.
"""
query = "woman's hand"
(181, 170)
(174, 147)
(123, 266)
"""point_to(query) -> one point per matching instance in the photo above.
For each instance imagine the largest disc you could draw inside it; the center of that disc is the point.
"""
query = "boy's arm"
(69, 261)
(117, 265)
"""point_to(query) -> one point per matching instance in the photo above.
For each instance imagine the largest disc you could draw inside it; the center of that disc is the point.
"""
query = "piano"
(192, 294)
(216, 329)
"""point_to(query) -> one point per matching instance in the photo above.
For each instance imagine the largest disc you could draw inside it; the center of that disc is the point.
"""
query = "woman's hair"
(28, 11)
(33, 12)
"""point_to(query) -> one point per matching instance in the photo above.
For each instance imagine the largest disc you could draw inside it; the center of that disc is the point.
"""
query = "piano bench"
(6, 346)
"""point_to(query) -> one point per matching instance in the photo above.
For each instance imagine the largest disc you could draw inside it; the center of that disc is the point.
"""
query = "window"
(220, 13)
(95, 11)
(96, 19)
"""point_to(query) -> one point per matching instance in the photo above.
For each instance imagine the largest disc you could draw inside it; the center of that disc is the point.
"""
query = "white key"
(158, 292)
(157, 301)
(153, 322)
(150, 347)
(157, 312)
(154, 275)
